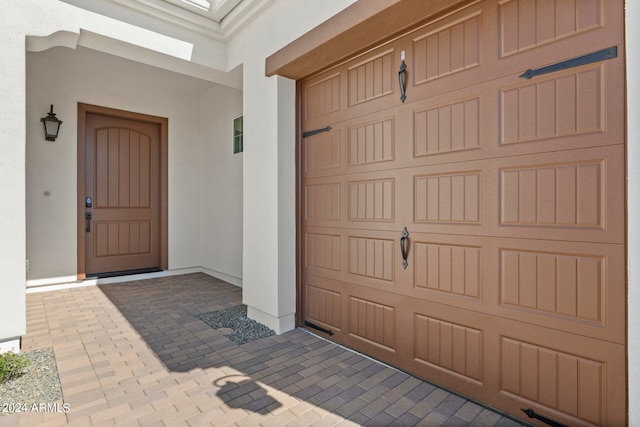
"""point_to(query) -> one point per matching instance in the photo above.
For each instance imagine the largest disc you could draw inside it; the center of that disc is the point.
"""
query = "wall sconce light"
(51, 125)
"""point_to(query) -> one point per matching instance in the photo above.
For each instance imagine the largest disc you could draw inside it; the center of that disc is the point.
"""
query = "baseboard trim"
(11, 344)
(70, 282)
(237, 281)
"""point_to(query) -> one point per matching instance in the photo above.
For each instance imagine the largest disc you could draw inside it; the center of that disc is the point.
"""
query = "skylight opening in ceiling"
(201, 4)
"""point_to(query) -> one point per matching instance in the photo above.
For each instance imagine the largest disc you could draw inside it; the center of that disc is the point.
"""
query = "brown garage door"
(511, 191)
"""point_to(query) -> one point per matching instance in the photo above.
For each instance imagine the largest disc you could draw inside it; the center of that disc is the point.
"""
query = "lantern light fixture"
(51, 125)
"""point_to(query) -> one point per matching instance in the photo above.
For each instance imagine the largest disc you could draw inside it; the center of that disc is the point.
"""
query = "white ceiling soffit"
(214, 18)
(170, 59)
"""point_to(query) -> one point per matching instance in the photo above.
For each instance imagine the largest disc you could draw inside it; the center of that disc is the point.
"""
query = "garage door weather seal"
(601, 55)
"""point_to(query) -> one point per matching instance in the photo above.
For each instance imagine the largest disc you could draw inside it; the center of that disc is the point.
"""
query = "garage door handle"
(403, 68)
(403, 247)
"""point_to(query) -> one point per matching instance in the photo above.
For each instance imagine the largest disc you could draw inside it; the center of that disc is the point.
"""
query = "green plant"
(11, 365)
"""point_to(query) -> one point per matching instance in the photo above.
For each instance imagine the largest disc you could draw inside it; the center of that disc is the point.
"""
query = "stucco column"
(12, 187)
(268, 277)
(633, 200)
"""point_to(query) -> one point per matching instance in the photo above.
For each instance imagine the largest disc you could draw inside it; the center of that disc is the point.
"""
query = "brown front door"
(122, 194)
(512, 192)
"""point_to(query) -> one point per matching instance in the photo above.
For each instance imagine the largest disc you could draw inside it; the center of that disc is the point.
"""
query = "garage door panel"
(571, 286)
(322, 98)
(371, 141)
(366, 201)
(360, 87)
(562, 110)
(525, 196)
(454, 348)
(542, 31)
(529, 35)
(323, 202)
(512, 191)
(373, 323)
(557, 112)
(356, 317)
(574, 287)
(324, 306)
(571, 198)
(450, 349)
(451, 53)
(564, 284)
(371, 78)
(553, 379)
(449, 198)
(372, 200)
(561, 374)
(449, 127)
(367, 258)
(452, 198)
(323, 252)
(576, 292)
(447, 268)
(375, 142)
(565, 104)
(526, 24)
(449, 48)
(323, 153)
(372, 259)
(553, 372)
(362, 144)
(567, 195)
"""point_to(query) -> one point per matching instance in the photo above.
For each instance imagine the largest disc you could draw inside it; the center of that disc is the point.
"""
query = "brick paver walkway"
(136, 354)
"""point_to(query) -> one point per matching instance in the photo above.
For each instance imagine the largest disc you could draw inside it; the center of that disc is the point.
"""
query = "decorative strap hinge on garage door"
(309, 133)
(317, 328)
(601, 55)
(533, 414)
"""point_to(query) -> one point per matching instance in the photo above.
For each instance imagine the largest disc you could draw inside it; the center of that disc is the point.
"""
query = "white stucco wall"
(220, 185)
(47, 236)
(37, 216)
(12, 182)
(17, 20)
(269, 158)
(64, 77)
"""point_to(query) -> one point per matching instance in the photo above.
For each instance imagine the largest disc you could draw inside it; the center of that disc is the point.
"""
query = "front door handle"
(403, 247)
(88, 218)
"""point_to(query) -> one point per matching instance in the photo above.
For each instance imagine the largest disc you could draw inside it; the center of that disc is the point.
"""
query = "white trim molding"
(12, 345)
(70, 282)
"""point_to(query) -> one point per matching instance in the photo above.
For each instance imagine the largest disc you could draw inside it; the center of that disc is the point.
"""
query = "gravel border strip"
(244, 330)
(38, 384)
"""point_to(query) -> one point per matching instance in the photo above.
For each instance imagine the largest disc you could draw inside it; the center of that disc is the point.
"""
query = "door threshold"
(109, 274)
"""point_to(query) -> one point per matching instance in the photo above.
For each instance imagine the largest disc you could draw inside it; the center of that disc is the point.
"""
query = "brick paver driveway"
(136, 354)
